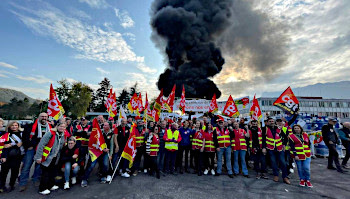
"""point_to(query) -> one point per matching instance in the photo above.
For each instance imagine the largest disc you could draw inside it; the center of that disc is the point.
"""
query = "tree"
(133, 90)
(123, 98)
(101, 95)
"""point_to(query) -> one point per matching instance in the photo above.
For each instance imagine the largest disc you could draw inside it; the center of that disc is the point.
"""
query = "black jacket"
(329, 134)
(67, 154)
(122, 137)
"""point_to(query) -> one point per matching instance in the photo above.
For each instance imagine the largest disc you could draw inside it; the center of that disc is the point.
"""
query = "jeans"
(27, 164)
(67, 169)
(103, 161)
(161, 157)
(277, 157)
(227, 152)
(170, 160)
(304, 168)
(259, 161)
(347, 156)
(240, 153)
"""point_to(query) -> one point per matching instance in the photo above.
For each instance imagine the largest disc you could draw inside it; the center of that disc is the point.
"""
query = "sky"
(43, 42)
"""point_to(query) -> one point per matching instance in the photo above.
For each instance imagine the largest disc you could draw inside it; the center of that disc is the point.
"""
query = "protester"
(239, 147)
(209, 150)
(82, 134)
(122, 134)
(31, 138)
(11, 156)
(162, 150)
(69, 161)
(184, 147)
(222, 142)
(258, 149)
(153, 141)
(172, 137)
(344, 134)
(300, 146)
(140, 133)
(275, 144)
(330, 138)
(48, 155)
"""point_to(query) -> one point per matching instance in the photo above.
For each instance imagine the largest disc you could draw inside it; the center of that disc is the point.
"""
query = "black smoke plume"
(190, 28)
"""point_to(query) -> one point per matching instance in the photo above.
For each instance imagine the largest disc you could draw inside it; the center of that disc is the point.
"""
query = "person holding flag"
(140, 133)
(98, 151)
(121, 136)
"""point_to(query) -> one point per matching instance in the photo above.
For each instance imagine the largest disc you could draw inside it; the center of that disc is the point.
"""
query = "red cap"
(220, 119)
(137, 118)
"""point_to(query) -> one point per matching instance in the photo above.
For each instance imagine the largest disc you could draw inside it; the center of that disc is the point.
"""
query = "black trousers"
(209, 160)
(141, 151)
(47, 180)
(198, 159)
(347, 156)
(259, 161)
(333, 156)
(180, 156)
(153, 164)
(191, 158)
(12, 164)
(170, 160)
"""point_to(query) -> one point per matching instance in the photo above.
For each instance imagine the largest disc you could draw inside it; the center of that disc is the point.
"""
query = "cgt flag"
(55, 109)
(121, 115)
(182, 106)
(133, 104)
(288, 102)
(255, 111)
(169, 104)
(244, 101)
(111, 104)
(158, 106)
(129, 151)
(96, 142)
(213, 107)
(230, 109)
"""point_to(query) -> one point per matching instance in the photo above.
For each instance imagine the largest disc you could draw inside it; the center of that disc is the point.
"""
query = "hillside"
(7, 94)
(335, 90)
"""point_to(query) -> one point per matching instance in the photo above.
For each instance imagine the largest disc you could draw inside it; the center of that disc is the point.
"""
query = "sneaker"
(258, 176)
(302, 183)
(84, 183)
(55, 187)
(263, 176)
(293, 165)
(135, 173)
(291, 170)
(308, 184)
(22, 188)
(66, 185)
(212, 172)
(103, 180)
(109, 178)
(125, 175)
(74, 180)
(346, 166)
(145, 171)
(45, 192)
(205, 172)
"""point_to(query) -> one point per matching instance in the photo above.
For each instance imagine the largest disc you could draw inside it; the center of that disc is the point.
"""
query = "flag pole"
(115, 169)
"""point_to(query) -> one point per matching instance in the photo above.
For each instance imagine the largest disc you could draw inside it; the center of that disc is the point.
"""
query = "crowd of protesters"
(206, 146)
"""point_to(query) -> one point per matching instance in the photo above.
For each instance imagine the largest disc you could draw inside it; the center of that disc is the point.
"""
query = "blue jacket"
(185, 135)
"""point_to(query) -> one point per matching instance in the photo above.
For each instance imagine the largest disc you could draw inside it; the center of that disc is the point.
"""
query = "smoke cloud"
(194, 35)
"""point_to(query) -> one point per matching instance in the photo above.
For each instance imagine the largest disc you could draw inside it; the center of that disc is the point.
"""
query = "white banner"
(201, 105)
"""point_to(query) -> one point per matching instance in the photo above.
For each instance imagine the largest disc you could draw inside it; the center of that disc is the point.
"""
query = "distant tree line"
(77, 98)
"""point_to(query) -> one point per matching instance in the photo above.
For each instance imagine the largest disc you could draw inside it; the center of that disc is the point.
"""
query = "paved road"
(327, 184)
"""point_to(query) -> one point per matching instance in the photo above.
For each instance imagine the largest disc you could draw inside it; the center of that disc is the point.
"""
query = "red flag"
(96, 141)
(158, 106)
(140, 106)
(213, 107)
(182, 106)
(111, 104)
(133, 104)
(287, 102)
(169, 104)
(255, 110)
(147, 113)
(129, 151)
(55, 108)
(244, 101)
(230, 109)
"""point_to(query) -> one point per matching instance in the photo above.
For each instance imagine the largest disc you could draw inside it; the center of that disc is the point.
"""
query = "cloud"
(3, 75)
(37, 79)
(6, 65)
(144, 68)
(125, 20)
(91, 41)
(95, 3)
(318, 49)
(103, 72)
(79, 13)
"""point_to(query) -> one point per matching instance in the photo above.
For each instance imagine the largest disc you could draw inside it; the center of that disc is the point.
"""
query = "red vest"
(154, 147)
(140, 137)
(259, 138)
(271, 142)
(84, 141)
(239, 143)
(48, 147)
(4, 138)
(301, 148)
(198, 138)
(209, 143)
(223, 137)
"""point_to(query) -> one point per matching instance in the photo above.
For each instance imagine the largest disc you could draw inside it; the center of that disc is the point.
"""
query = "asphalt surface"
(327, 184)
